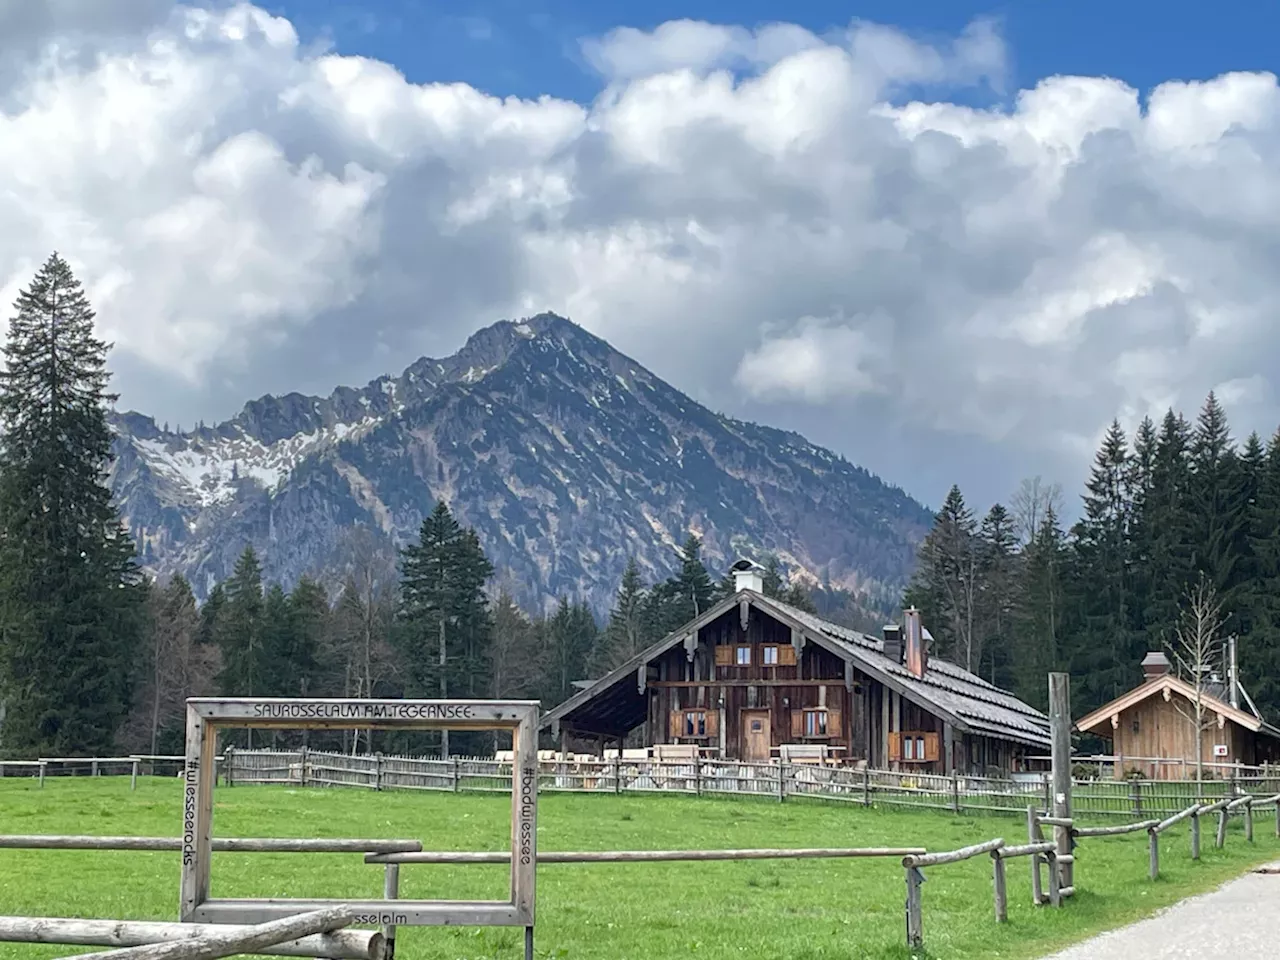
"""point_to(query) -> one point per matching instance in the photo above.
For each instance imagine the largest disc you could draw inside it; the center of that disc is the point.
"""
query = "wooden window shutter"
(786, 655)
(834, 728)
(931, 747)
(677, 723)
(724, 655)
(797, 724)
(895, 747)
(713, 724)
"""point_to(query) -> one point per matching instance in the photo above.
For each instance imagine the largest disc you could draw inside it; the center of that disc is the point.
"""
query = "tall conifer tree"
(71, 597)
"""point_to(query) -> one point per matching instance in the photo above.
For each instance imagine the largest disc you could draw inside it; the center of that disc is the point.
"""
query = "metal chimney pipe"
(1235, 672)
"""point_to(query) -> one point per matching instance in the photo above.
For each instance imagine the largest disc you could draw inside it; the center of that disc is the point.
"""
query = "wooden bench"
(805, 753)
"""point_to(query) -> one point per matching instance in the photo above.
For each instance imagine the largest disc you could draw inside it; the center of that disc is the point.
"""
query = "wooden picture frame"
(205, 715)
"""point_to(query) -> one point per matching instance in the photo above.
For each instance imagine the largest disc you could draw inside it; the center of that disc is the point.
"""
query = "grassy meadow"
(798, 910)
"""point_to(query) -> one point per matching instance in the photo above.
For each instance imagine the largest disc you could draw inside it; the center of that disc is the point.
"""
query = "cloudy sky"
(951, 248)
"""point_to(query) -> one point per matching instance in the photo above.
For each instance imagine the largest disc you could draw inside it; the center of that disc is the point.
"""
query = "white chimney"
(747, 575)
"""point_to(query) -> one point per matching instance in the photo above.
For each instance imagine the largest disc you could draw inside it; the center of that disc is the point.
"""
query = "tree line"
(425, 626)
(1177, 509)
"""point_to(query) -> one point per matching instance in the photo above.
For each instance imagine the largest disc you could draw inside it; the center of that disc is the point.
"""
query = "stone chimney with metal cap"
(747, 575)
(1154, 664)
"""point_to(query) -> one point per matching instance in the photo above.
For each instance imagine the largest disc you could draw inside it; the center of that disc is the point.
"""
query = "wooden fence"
(1132, 799)
(778, 780)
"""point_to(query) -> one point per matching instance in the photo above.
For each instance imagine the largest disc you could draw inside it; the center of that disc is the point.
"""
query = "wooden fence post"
(1248, 820)
(93, 768)
(1135, 796)
(1222, 828)
(43, 765)
(390, 891)
(229, 763)
(1195, 834)
(998, 882)
(866, 795)
(915, 925)
(1055, 885)
(697, 776)
(1060, 733)
(955, 796)
(1033, 835)
(617, 772)
(377, 771)
(133, 775)
(457, 774)
(302, 765)
(1153, 838)
(782, 780)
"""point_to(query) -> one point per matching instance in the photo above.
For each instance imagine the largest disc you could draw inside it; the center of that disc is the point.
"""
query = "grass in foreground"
(799, 910)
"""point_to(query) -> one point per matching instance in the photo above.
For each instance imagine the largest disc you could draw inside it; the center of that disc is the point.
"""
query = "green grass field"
(799, 910)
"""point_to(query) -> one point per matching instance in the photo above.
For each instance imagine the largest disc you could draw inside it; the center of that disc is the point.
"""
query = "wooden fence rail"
(912, 864)
(221, 844)
(226, 941)
(643, 856)
(335, 945)
(958, 793)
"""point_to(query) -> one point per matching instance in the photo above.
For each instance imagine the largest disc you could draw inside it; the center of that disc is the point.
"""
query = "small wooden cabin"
(1152, 728)
(754, 679)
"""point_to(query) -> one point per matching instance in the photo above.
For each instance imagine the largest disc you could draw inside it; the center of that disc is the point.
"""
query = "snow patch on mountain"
(210, 471)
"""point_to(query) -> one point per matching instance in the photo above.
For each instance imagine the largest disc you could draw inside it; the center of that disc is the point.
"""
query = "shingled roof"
(946, 690)
(983, 707)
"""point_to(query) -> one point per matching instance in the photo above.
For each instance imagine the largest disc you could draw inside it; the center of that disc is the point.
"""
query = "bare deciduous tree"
(177, 665)
(1031, 503)
(1195, 644)
(362, 618)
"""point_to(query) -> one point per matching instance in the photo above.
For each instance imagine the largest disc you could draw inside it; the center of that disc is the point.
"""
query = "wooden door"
(755, 736)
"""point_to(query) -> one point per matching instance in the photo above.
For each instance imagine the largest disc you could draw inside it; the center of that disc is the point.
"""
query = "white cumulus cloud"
(807, 229)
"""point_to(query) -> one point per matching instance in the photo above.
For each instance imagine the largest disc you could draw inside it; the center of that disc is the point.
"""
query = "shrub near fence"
(958, 794)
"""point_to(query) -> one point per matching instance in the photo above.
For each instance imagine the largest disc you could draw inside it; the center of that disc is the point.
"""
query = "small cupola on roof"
(747, 575)
(1154, 664)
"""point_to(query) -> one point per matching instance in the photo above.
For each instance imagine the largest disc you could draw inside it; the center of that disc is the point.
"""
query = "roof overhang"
(1167, 685)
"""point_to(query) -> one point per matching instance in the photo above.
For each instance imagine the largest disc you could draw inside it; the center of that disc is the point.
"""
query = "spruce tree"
(997, 595)
(678, 599)
(71, 597)
(308, 617)
(1041, 611)
(1218, 512)
(1104, 654)
(624, 636)
(276, 636)
(444, 613)
(571, 637)
(209, 612)
(945, 585)
(246, 671)
(1165, 545)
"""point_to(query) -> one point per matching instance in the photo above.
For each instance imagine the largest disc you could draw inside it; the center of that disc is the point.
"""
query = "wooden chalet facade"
(1152, 729)
(753, 679)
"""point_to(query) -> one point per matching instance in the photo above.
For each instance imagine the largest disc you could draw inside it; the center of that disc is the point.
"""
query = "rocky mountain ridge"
(564, 454)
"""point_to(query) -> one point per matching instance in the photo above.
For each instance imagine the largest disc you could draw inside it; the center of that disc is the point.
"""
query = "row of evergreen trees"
(1015, 595)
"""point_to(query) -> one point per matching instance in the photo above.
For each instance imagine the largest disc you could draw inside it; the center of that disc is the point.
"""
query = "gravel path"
(1238, 920)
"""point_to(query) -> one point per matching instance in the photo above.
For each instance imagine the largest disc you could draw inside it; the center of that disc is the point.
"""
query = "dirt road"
(1238, 920)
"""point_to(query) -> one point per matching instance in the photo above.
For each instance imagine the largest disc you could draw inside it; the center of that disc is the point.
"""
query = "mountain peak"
(565, 455)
